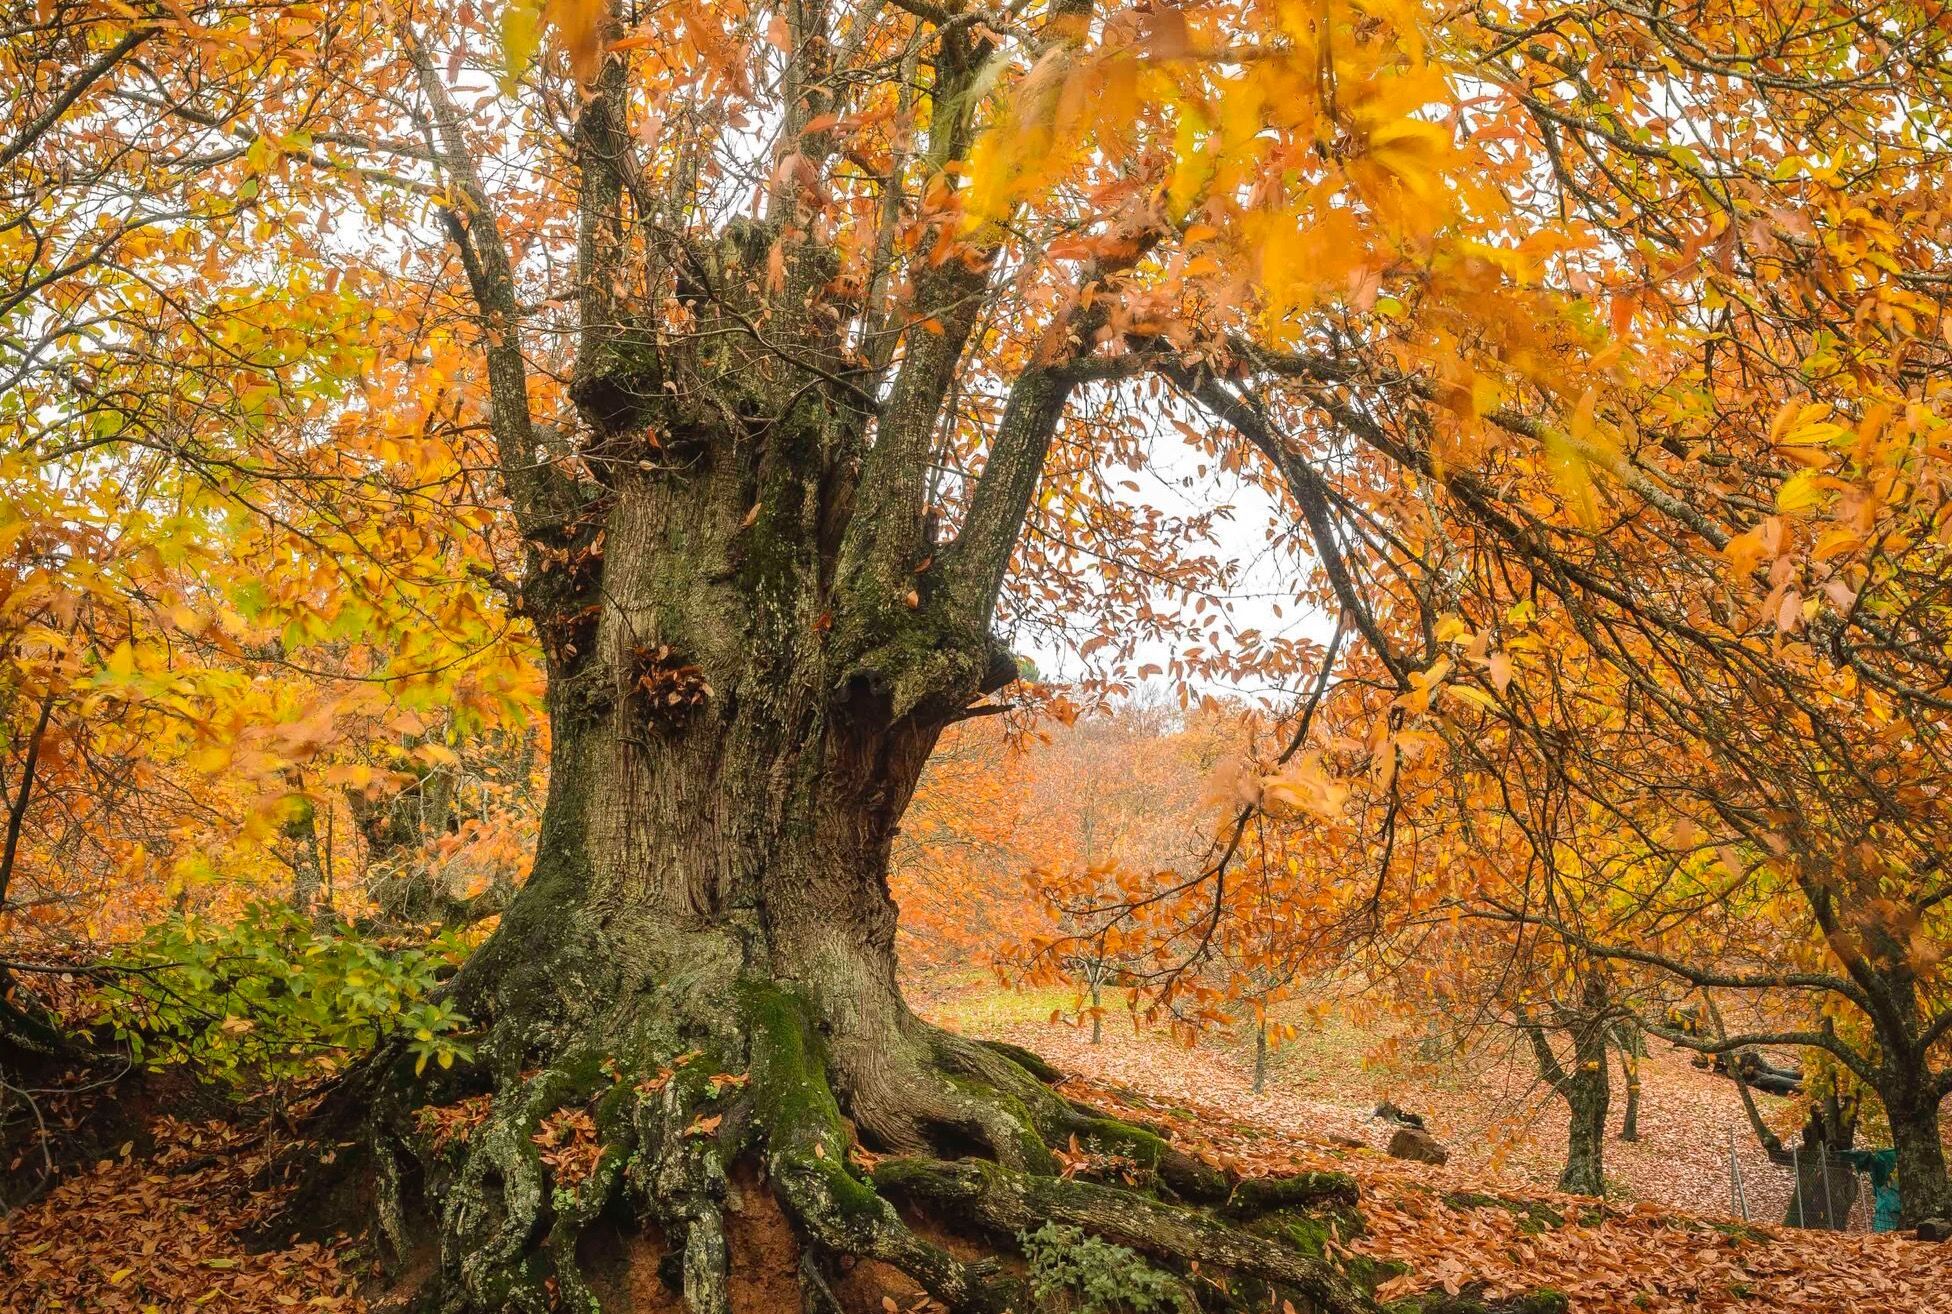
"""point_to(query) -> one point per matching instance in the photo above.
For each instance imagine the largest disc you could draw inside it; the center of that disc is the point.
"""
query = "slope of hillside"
(1499, 1124)
(159, 1225)
(1450, 1233)
(1668, 1240)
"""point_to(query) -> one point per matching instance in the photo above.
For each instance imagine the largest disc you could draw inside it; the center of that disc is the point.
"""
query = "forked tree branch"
(1311, 495)
(37, 126)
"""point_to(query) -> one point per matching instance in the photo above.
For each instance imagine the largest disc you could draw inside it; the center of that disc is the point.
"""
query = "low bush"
(1080, 1274)
(273, 996)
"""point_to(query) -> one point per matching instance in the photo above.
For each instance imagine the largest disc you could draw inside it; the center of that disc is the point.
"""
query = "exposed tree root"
(490, 1186)
(1011, 1202)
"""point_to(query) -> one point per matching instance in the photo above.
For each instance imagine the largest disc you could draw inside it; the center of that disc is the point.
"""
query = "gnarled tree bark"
(753, 641)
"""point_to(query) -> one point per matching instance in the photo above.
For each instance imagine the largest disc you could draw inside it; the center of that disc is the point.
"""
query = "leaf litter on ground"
(1484, 1219)
(163, 1229)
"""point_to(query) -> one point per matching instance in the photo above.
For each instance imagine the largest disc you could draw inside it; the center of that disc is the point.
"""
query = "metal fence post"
(1738, 1196)
(1829, 1197)
(1796, 1167)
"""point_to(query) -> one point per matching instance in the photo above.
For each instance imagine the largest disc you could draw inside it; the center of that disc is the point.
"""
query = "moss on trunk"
(648, 1130)
(693, 1002)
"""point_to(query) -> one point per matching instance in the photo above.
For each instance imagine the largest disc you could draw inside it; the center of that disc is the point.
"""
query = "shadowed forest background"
(847, 656)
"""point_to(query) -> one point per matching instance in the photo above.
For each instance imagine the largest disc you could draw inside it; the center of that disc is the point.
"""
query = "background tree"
(1114, 813)
(955, 866)
(1702, 606)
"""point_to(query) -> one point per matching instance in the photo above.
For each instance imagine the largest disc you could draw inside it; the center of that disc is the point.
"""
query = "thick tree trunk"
(1583, 1084)
(1923, 1191)
(1586, 1094)
(702, 962)
(716, 818)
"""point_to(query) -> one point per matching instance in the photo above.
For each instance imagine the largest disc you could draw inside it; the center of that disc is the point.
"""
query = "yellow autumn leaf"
(1192, 168)
(1574, 475)
(1401, 170)
(432, 754)
(1744, 552)
(1836, 542)
(1798, 493)
(122, 661)
(1303, 786)
(521, 29)
(1499, 668)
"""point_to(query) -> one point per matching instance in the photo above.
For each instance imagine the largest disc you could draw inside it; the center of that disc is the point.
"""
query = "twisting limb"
(1310, 493)
(1013, 1202)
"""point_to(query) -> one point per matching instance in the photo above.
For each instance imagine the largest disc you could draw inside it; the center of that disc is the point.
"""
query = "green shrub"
(272, 996)
(1082, 1274)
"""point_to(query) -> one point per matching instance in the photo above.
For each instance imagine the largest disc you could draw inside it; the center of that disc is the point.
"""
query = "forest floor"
(157, 1225)
(1666, 1238)
(1486, 1105)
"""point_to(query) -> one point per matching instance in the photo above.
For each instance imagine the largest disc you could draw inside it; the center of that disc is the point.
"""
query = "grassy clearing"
(974, 1002)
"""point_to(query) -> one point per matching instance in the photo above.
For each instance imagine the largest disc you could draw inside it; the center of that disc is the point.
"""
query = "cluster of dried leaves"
(163, 1231)
(569, 1146)
(446, 1124)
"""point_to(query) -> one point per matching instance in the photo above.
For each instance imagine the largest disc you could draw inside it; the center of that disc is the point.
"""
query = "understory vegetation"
(272, 996)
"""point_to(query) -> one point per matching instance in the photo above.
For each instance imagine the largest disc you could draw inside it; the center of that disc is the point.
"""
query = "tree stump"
(1417, 1145)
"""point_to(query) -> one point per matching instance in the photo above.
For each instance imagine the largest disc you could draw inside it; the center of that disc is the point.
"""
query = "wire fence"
(1828, 1192)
